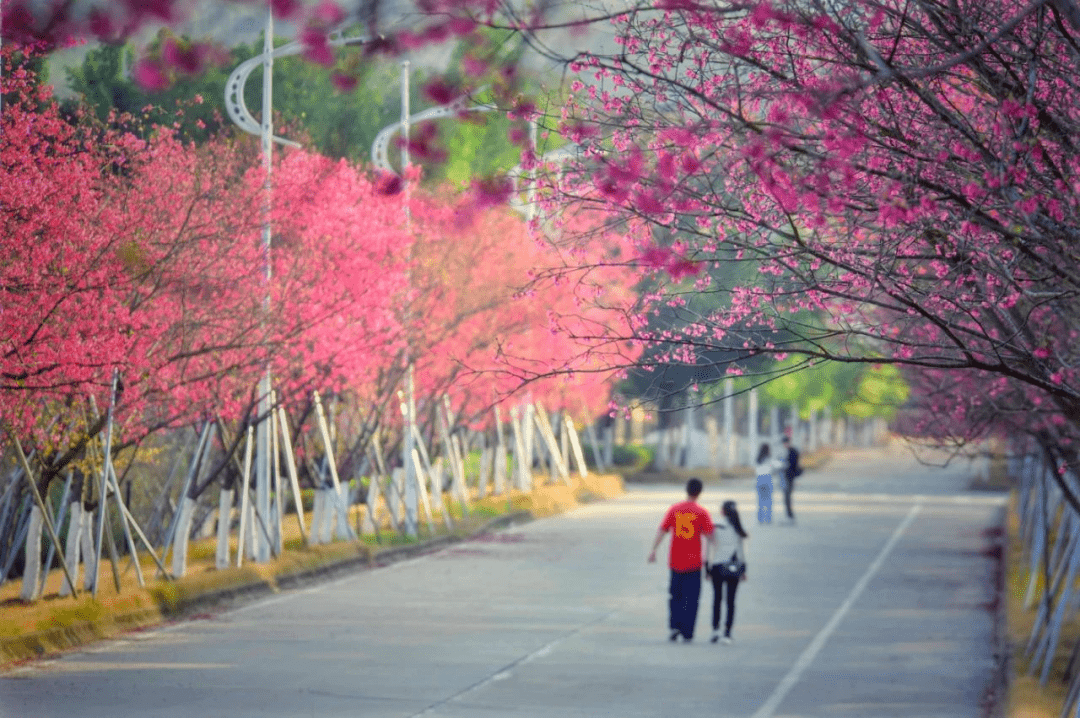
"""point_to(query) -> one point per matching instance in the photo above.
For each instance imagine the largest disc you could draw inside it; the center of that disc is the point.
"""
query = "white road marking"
(768, 709)
(508, 670)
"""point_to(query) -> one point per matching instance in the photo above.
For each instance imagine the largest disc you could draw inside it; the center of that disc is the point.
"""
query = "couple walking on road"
(787, 469)
(724, 562)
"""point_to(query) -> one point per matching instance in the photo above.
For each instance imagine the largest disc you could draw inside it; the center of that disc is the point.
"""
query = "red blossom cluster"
(147, 258)
(898, 179)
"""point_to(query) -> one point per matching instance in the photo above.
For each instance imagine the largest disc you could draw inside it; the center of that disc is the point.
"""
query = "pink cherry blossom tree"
(897, 176)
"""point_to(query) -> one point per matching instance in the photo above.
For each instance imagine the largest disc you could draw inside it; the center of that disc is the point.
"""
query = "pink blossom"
(149, 75)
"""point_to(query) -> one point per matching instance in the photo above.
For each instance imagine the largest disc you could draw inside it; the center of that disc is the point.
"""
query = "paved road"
(873, 605)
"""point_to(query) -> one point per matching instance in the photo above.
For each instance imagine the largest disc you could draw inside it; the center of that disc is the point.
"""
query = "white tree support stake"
(275, 474)
(544, 424)
(102, 497)
(135, 525)
(421, 490)
(122, 510)
(575, 446)
(375, 487)
(342, 507)
(435, 479)
(457, 480)
(40, 504)
(290, 467)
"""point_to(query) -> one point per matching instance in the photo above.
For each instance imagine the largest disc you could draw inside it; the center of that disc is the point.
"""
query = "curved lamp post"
(242, 117)
(380, 158)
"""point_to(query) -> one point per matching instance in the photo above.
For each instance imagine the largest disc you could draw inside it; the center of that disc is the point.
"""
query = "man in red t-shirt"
(688, 522)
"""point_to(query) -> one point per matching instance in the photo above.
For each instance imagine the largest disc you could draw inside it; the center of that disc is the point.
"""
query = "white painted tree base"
(86, 541)
(318, 509)
(326, 523)
(71, 550)
(180, 538)
(225, 502)
(32, 568)
(500, 470)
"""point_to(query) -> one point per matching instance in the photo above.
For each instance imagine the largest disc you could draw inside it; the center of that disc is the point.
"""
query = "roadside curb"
(36, 645)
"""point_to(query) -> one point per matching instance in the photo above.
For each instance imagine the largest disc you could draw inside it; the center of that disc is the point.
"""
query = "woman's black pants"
(723, 588)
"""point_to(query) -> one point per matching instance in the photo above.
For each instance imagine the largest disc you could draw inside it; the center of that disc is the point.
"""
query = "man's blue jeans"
(685, 591)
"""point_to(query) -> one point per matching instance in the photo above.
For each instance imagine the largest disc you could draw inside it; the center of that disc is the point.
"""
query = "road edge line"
(768, 709)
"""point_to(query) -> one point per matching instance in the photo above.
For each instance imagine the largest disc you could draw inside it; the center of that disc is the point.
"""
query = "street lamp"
(238, 112)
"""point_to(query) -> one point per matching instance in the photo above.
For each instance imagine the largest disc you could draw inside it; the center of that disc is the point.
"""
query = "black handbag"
(732, 568)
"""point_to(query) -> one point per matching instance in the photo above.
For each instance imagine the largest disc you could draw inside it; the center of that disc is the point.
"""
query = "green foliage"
(630, 457)
(880, 391)
(478, 146)
(102, 83)
(308, 108)
(859, 390)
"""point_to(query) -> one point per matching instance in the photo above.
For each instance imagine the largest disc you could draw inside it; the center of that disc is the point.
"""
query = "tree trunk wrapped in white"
(342, 530)
(371, 517)
(421, 490)
(325, 525)
(394, 494)
(500, 469)
(32, 568)
(71, 550)
(461, 489)
(251, 532)
(318, 508)
(180, 538)
(86, 547)
(522, 468)
(225, 501)
(485, 470)
(528, 441)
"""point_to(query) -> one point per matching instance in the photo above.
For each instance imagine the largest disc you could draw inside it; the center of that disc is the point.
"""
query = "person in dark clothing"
(791, 472)
(725, 563)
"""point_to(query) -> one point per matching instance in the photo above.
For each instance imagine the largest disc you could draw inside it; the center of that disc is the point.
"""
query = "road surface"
(874, 604)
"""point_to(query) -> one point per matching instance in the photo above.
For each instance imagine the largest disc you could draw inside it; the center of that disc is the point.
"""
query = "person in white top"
(764, 470)
(728, 567)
